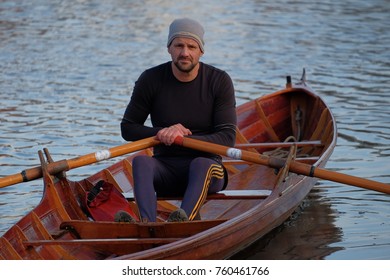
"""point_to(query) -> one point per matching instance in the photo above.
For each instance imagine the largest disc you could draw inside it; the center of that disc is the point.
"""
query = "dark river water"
(67, 69)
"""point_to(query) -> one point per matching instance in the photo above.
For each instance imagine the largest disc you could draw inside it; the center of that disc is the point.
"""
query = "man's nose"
(184, 51)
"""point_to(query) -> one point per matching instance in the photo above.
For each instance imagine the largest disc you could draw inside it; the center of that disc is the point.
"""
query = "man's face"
(185, 53)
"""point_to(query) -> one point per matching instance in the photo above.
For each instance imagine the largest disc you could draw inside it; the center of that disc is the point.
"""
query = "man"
(184, 97)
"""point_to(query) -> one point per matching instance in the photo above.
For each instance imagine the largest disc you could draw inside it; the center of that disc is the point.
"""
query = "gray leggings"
(189, 178)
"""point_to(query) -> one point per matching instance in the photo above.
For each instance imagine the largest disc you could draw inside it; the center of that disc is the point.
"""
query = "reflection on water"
(68, 67)
(308, 234)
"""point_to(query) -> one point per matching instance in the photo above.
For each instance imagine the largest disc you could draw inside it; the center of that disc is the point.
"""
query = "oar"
(65, 165)
(296, 167)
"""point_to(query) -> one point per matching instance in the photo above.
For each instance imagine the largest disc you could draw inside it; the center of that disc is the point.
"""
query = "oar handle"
(65, 165)
(296, 167)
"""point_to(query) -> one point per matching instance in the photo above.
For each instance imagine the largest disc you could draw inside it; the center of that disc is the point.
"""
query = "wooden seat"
(225, 194)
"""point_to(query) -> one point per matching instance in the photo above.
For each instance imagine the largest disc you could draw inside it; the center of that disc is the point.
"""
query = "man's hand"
(168, 135)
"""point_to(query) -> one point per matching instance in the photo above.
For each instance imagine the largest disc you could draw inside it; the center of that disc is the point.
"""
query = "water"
(68, 68)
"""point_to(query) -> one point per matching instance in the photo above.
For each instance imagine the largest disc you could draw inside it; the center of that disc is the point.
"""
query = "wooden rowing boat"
(292, 125)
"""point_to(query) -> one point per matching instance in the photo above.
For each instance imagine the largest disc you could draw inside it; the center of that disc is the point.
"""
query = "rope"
(282, 153)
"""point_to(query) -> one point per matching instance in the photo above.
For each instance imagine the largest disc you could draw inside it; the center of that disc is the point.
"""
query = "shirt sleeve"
(133, 122)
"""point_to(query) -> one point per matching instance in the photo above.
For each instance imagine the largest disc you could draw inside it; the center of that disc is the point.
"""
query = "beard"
(184, 67)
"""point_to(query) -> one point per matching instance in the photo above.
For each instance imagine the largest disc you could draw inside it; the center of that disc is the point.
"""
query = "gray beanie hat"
(188, 28)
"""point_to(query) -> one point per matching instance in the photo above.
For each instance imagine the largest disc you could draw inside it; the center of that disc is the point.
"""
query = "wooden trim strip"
(267, 124)
(242, 162)
(280, 144)
(109, 241)
(226, 194)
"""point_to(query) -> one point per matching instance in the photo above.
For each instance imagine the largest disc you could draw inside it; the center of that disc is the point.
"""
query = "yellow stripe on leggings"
(215, 171)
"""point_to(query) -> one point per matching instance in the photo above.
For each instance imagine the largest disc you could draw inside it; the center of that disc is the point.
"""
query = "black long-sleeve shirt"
(205, 105)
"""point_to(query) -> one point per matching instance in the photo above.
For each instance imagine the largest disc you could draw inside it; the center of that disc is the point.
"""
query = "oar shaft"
(226, 151)
(351, 180)
(296, 167)
(32, 173)
(112, 152)
(65, 165)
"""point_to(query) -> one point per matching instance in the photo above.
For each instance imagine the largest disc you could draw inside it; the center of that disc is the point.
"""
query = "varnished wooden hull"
(58, 227)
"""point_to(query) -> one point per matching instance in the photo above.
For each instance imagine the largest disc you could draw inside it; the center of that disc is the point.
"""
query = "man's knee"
(201, 163)
(141, 162)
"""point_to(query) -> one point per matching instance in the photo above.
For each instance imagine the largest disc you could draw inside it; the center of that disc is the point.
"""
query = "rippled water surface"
(68, 68)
